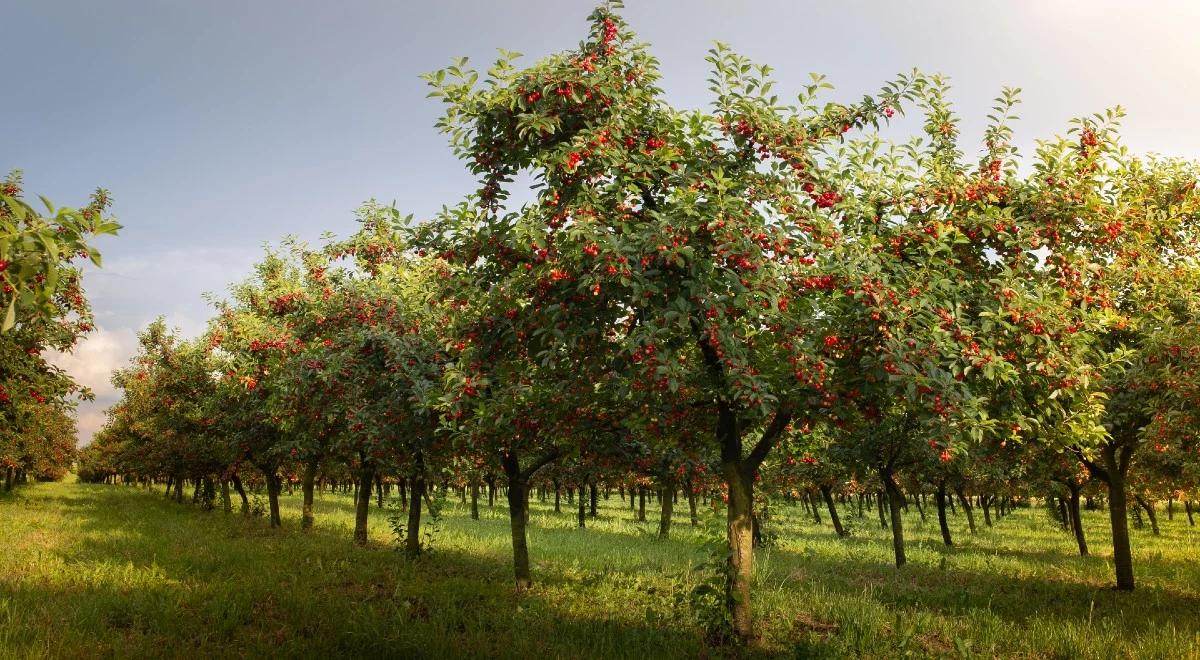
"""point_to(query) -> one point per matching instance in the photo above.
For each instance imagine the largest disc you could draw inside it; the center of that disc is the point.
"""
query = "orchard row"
(755, 301)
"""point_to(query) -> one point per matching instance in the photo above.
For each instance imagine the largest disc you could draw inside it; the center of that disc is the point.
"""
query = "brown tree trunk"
(667, 505)
(226, 500)
(557, 497)
(741, 542)
(1187, 506)
(595, 493)
(274, 487)
(985, 503)
(1148, 506)
(966, 505)
(879, 505)
(1076, 522)
(896, 503)
(516, 517)
(412, 540)
(474, 499)
(813, 508)
(362, 508)
(691, 498)
(940, 499)
(1113, 474)
(582, 508)
(237, 486)
(827, 494)
(307, 482)
(641, 504)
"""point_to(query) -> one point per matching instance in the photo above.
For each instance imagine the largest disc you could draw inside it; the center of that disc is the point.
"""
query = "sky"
(221, 125)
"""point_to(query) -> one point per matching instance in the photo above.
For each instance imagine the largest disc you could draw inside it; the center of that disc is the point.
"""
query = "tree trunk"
(1150, 513)
(1076, 522)
(691, 497)
(966, 505)
(595, 496)
(896, 502)
(307, 481)
(362, 508)
(920, 507)
(667, 506)
(274, 487)
(812, 503)
(226, 501)
(237, 486)
(940, 499)
(582, 508)
(412, 540)
(516, 518)
(1187, 506)
(740, 530)
(474, 499)
(827, 494)
(1118, 514)
(378, 491)
(641, 504)
(985, 503)
(558, 497)
(879, 505)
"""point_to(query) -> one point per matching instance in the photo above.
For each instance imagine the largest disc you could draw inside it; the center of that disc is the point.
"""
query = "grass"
(113, 571)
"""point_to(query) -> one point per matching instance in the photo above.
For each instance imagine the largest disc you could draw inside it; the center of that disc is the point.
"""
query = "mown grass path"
(113, 571)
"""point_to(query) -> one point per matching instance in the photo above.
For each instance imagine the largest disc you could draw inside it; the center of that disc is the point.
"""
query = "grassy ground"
(104, 571)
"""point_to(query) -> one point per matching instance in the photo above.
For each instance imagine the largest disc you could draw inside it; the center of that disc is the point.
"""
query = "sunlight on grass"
(115, 571)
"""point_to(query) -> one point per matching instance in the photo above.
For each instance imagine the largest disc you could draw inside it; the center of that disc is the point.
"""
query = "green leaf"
(10, 316)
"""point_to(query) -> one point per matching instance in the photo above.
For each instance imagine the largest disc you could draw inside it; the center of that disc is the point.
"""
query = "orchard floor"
(114, 571)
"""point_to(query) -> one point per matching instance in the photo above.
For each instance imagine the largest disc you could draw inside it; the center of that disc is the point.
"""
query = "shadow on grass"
(151, 575)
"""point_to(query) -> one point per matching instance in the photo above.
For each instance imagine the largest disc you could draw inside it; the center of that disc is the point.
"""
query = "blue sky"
(220, 125)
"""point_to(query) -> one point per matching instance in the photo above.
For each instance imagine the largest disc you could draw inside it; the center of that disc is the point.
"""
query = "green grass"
(92, 570)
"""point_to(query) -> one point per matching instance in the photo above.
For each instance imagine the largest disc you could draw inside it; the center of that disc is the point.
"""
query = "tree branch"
(774, 430)
(551, 456)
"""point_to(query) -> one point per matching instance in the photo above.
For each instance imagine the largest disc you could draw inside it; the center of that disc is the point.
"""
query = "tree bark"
(827, 494)
(641, 504)
(740, 535)
(667, 505)
(307, 481)
(274, 487)
(920, 507)
(582, 508)
(896, 503)
(940, 500)
(1148, 506)
(595, 493)
(474, 499)
(879, 505)
(237, 486)
(362, 507)
(516, 517)
(1076, 522)
(966, 505)
(412, 540)
(691, 497)
(558, 497)
(813, 508)
(1187, 506)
